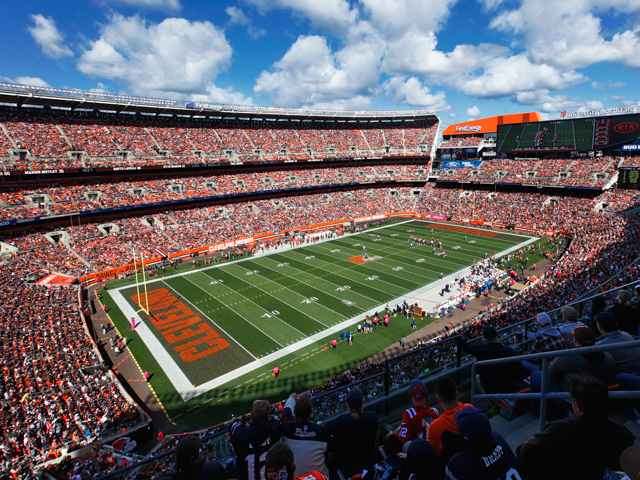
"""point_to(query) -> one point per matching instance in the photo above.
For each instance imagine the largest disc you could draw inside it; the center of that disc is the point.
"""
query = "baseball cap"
(489, 332)
(279, 464)
(418, 390)
(422, 460)
(607, 321)
(543, 319)
(472, 422)
(355, 398)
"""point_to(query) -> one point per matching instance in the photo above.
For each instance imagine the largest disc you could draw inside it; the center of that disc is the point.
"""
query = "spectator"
(416, 420)
(190, 465)
(570, 323)
(307, 439)
(630, 463)
(579, 447)
(280, 464)
(422, 462)
(252, 439)
(487, 454)
(626, 360)
(627, 315)
(599, 364)
(546, 339)
(598, 304)
(352, 439)
(494, 378)
(443, 431)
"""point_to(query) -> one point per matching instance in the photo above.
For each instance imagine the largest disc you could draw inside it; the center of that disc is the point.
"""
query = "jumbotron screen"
(577, 134)
(629, 177)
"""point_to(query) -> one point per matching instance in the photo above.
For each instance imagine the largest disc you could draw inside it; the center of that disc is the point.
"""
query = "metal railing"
(79, 95)
(545, 394)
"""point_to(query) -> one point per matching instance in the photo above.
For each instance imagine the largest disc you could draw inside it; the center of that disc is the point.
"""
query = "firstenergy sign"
(469, 128)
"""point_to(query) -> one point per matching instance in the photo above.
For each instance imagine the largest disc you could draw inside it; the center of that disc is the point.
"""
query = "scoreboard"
(569, 135)
(629, 177)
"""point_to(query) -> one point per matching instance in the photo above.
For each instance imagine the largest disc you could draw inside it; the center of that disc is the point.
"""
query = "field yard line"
(259, 255)
(177, 377)
(187, 392)
(448, 234)
(241, 316)
(325, 280)
(455, 254)
(292, 291)
(261, 308)
(365, 274)
(392, 266)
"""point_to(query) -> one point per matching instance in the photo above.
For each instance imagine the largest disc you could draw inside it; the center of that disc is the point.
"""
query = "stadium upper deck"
(53, 128)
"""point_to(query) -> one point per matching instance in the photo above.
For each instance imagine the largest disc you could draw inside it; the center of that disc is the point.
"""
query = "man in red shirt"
(443, 432)
(416, 420)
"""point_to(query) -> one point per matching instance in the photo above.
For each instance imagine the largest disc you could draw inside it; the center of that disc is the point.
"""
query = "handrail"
(546, 357)
(126, 100)
(145, 461)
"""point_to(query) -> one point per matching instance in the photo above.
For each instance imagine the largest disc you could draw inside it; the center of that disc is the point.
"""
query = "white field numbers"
(309, 300)
(273, 312)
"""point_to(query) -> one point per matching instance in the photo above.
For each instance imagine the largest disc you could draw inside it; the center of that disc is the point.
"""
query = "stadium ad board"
(570, 135)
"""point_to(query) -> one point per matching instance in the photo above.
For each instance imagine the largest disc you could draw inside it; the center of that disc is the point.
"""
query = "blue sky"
(466, 58)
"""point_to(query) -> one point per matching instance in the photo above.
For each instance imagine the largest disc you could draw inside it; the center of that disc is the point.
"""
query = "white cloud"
(237, 17)
(413, 92)
(161, 5)
(311, 75)
(622, 102)
(33, 81)
(599, 86)
(522, 76)
(452, 115)
(397, 16)
(617, 85)
(569, 35)
(556, 103)
(473, 111)
(334, 16)
(48, 37)
(175, 58)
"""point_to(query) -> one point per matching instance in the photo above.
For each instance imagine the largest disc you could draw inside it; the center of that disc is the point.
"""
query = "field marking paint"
(185, 388)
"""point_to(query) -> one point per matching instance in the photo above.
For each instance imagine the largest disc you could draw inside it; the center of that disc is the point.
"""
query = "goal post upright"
(146, 297)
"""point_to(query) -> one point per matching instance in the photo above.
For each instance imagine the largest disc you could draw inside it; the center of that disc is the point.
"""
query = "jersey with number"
(415, 423)
(251, 441)
(500, 464)
(312, 475)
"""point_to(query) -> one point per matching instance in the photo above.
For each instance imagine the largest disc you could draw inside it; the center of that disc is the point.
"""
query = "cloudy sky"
(466, 58)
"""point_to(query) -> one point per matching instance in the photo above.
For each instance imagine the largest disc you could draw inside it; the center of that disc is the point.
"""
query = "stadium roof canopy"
(489, 124)
(22, 95)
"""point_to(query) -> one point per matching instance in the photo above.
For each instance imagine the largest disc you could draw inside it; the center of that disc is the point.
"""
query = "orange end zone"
(359, 259)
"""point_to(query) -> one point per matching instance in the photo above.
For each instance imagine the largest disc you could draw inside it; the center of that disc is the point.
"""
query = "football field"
(215, 333)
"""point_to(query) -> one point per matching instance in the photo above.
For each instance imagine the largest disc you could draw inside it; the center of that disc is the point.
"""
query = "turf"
(263, 304)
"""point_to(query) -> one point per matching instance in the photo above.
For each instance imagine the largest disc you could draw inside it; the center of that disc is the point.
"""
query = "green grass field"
(216, 332)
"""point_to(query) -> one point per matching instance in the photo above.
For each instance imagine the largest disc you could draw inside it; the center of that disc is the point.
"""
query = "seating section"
(45, 351)
(125, 140)
(580, 172)
(68, 198)
(462, 141)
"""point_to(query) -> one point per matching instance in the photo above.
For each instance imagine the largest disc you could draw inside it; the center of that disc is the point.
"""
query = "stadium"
(167, 263)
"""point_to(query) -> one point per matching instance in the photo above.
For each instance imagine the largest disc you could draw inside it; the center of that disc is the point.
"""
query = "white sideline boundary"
(188, 391)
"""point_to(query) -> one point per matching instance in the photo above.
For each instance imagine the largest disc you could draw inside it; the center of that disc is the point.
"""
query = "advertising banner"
(462, 164)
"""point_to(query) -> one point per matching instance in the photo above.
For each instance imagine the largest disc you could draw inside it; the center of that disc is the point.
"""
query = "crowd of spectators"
(50, 400)
(128, 140)
(462, 141)
(564, 172)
